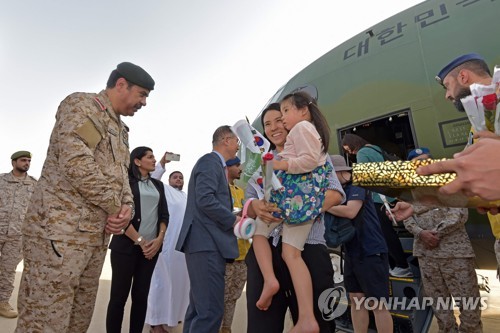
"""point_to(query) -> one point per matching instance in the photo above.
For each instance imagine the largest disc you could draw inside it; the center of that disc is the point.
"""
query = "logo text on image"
(420, 303)
(333, 303)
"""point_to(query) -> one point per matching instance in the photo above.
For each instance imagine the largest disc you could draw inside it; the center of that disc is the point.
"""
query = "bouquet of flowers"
(254, 146)
(254, 157)
(482, 106)
(268, 175)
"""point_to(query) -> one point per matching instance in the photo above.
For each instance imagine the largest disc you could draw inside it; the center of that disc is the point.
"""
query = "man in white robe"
(169, 292)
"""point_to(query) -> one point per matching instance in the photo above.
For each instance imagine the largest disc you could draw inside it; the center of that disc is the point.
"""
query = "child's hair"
(302, 99)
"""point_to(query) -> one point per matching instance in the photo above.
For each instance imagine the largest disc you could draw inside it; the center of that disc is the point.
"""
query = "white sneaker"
(7, 311)
(401, 272)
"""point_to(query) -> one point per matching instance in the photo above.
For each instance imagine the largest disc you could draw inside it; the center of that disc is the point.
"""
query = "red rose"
(268, 157)
(490, 102)
(259, 181)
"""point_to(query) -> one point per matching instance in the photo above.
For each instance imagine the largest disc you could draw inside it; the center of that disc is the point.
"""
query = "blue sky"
(214, 62)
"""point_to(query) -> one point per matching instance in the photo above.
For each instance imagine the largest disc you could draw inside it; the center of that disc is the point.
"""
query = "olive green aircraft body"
(381, 85)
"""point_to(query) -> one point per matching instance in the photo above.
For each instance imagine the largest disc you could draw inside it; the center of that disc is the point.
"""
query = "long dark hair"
(354, 142)
(133, 170)
(302, 99)
(270, 107)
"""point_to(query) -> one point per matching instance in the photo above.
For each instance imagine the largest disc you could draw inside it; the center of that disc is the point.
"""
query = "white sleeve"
(159, 171)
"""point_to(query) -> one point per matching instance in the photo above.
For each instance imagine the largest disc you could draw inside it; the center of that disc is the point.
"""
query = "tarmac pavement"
(490, 316)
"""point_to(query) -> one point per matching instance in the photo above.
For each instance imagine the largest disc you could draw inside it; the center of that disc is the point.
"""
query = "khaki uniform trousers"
(58, 295)
(235, 279)
(446, 277)
(10, 257)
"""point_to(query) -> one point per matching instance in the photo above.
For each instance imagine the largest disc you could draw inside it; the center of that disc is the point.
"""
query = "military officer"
(16, 188)
(82, 197)
(457, 77)
(446, 261)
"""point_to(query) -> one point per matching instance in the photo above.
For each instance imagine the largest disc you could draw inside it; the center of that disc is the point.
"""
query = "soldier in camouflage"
(446, 261)
(16, 188)
(82, 197)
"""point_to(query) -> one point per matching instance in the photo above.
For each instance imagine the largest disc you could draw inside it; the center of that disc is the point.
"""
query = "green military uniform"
(84, 180)
(15, 194)
(448, 269)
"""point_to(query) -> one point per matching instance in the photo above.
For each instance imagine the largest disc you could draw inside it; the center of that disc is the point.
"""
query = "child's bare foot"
(305, 327)
(270, 288)
(158, 329)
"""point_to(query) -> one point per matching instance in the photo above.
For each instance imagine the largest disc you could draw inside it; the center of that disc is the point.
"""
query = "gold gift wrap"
(398, 179)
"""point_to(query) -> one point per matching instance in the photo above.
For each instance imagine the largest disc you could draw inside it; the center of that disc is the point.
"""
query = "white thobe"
(169, 292)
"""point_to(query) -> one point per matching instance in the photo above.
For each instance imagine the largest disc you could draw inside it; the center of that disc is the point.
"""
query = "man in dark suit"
(206, 236)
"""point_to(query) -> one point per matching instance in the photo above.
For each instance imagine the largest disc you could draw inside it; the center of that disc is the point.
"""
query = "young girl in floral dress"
(303, 174)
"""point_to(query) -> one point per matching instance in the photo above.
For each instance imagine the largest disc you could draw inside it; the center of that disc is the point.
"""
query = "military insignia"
(125, 136)
(112, 132)
(99, 104)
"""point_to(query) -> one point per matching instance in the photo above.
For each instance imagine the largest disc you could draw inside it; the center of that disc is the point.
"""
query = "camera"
(172, 157)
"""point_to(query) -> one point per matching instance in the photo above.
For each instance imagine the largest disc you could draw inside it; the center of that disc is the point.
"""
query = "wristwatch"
(132, 214)
(139, 240)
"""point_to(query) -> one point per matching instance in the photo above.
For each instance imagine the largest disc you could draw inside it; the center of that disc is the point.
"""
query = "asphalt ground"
(490, 316)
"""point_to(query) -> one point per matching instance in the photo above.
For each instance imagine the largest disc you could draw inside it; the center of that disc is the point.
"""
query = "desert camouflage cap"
(21, 153)
(136, 75)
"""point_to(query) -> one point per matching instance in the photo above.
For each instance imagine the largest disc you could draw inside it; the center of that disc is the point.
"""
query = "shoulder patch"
(89, 133)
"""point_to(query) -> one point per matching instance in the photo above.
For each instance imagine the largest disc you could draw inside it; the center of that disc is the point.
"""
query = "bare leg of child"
(264, 258)
(302, 284)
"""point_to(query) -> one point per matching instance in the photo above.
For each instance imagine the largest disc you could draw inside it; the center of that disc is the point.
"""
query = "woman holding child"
(267, 305)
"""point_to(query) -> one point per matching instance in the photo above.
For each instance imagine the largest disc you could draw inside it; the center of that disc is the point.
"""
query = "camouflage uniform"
(495, 229)
(84, 180)
(447, 270)
(236, 272)
(15, 194)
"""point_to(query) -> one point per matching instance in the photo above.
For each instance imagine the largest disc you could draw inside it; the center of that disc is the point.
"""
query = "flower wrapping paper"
(398, 179)
(483, 107)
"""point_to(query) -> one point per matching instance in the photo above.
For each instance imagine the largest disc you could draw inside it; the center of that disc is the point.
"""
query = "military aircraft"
(380, 84)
